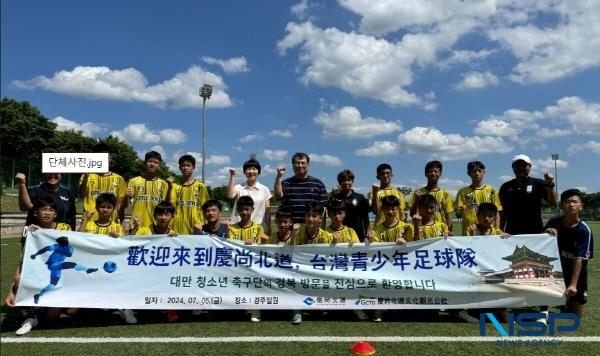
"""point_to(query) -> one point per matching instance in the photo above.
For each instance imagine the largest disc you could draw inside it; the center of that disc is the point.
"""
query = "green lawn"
(96, 323)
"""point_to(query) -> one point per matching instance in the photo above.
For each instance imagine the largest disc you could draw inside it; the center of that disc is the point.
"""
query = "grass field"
(96, 323)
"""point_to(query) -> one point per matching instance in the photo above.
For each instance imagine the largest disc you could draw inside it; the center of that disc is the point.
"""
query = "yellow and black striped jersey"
(253, 232)
(98, 184)
(146, 196)
(383, 193)
(92, 227)
(471, 198)
(188, 200)
(443, 199)
(321, 237)
(345, 234)
(493, 231)
(437, 229)
(274, 239)
(392, 233)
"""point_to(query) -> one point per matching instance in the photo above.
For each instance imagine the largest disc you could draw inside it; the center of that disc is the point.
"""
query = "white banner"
(72, 269)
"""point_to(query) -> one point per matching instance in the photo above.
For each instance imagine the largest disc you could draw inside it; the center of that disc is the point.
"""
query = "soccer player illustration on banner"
(56, 263)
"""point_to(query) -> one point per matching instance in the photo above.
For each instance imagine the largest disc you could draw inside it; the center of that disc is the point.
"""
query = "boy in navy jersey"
(576, 246)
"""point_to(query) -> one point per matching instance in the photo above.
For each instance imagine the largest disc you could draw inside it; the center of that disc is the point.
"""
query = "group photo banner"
(73, 269)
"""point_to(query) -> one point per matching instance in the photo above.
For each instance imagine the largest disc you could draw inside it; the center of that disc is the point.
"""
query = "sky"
(352, 83)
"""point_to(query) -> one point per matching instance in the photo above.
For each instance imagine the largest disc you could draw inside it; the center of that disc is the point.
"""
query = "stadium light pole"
(205, 93)
(555, 159)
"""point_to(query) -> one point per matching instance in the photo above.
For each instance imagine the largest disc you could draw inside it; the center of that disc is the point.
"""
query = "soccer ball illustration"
(110, 267)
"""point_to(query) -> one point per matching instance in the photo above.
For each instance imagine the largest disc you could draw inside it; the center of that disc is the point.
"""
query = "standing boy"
(443, 200)
(146, 191)
(91, 185)
(576, 246)
(469, 198)
(385, 175)
(357, 206)
(188, 197)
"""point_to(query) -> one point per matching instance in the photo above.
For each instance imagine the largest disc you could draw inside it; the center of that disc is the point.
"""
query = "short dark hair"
(244, 201)
(252, 162)
(383, 166)
(345, 174)
(314, 208)
(433, 164)
(164, 207)
(426, 199)
(300, 155)
(283, 212)
(152, 154)
(487, 208)
(187, 158)
(390, 200)
(45, 200)
(336, 206)
(211, 202)
(109, 198)
(570, 193)
(103, 147)
(474, 165)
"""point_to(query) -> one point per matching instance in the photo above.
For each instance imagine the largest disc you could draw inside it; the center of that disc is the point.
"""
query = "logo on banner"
(363, 300)
(529, 325)
(309, 301)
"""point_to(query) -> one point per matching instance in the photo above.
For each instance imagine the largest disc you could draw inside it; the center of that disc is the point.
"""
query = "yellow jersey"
(62, 227)
(383, 193)
(98, 184)
(92, 227)
(442, 198)
(253, 232)
(392, 233)
(146, 196)
(471, 198)
(274, 239)
(188, 200)
(345, 234)
(321, 237)
(148, 230)
(493, 231)
(437, 229)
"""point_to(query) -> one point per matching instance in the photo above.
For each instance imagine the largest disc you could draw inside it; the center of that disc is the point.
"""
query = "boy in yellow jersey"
(391, 229)
(102, 225)
(286, 229)
(44, 210)
(487, 215)
(339, 232)
(92, 185)
(424, 222)
(188, 197)
(311, 232)
(146, 191)
(248, 231)
(469, 198)
(385, 175)
(443, 205)
(162, 216)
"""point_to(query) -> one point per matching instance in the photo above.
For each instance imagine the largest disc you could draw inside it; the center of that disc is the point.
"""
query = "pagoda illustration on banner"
(526, 267)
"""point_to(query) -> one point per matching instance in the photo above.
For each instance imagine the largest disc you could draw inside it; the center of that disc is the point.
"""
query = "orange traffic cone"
(363, 348)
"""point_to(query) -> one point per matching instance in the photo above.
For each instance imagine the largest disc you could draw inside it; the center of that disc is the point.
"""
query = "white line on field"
(179, 340)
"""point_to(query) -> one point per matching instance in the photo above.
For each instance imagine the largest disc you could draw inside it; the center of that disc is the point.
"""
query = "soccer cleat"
(91, 270)
(36, 298)
(297, 319)
(26, 327)
(255, 316)
(465, 316)
(377, 316)
(361, 315)
(172, 316)
(127, 315)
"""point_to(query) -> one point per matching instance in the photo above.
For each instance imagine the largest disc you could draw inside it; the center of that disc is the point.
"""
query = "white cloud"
(505, 178)
(231, 65)
(282, 133)
(548, 163)
(210, 160)
(249, 138)
(348, 123)
(130, 85)
(219, 177)
(496, 127)
(551, 133)
(158, 149)
(464, 57)
(274, 155)
(379, 148)
(590, 146)
(299, 10)
(327, 160)
(450, 146)
(141, 133)
(477, 80)
(583, 117)
(87, 128)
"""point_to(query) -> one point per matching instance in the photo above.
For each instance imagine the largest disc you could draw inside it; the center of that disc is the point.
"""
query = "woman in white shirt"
(252, 188)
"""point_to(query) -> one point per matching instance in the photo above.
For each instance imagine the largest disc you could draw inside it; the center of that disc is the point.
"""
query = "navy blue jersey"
(221, 231)
(573, 243)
